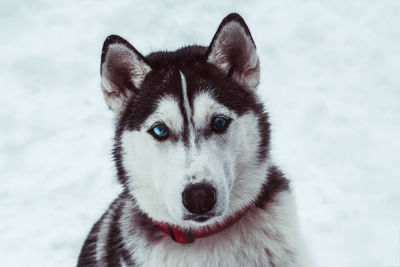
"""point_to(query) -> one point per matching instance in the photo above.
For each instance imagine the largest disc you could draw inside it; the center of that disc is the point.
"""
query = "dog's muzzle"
(199, 199)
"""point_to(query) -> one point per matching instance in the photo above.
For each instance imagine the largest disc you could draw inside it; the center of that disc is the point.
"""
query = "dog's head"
(192, 137)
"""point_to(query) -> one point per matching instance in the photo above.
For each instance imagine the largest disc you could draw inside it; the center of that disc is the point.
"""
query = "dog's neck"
(184, 235)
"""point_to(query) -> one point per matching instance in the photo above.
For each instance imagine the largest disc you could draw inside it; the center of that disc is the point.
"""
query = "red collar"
(184, 236)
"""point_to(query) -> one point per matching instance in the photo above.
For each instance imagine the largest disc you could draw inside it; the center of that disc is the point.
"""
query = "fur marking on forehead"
(205, 107)
(167, 111)
(185, 96)
(187, 110)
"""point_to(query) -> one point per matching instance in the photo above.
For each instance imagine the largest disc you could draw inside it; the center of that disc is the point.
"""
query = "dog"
(192, 152)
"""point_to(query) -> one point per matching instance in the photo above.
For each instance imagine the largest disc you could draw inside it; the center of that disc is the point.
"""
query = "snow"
(330, 78)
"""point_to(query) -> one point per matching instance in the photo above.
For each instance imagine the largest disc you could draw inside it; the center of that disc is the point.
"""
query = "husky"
(192, 152)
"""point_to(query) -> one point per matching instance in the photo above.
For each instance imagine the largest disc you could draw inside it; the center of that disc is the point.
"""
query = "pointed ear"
(233, 51)
(123, 70)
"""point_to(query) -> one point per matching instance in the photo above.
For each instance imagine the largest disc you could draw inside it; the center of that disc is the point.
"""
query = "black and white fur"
(185, 90)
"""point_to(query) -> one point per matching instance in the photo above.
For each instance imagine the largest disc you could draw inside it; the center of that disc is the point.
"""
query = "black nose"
(199, 198)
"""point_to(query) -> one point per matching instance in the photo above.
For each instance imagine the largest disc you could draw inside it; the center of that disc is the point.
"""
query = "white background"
(330, 79)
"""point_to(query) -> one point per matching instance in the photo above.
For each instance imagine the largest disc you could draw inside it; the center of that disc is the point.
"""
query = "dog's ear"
(123, 70)
(233, 51)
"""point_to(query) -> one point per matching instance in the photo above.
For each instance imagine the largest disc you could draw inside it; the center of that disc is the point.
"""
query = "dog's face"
(192, 138)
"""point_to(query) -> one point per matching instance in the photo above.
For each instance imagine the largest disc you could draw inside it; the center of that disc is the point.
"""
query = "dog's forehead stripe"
(185, 97)
(188, 112)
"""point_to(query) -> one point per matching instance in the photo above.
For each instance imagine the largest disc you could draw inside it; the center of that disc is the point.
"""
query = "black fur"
(164, 79)
(274, 184)
(143, 227)
(87, 256)
(114, 245)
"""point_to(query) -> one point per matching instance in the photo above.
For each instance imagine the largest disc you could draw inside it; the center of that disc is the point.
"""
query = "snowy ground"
(330, 79)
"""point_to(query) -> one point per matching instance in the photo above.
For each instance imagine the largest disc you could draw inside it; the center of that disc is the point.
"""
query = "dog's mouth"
(200, 218)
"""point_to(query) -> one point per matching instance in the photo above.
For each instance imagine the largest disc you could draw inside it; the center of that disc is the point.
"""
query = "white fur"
(188, 112)
(122, 263)
(102, 237)
(261, 238)
(160, 170)
(149, 163)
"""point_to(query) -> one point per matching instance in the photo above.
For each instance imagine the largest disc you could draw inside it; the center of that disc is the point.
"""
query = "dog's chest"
(253, 241)
(220, 250)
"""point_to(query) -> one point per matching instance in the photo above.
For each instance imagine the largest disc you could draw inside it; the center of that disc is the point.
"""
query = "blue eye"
(159, 131)
(219, 124)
